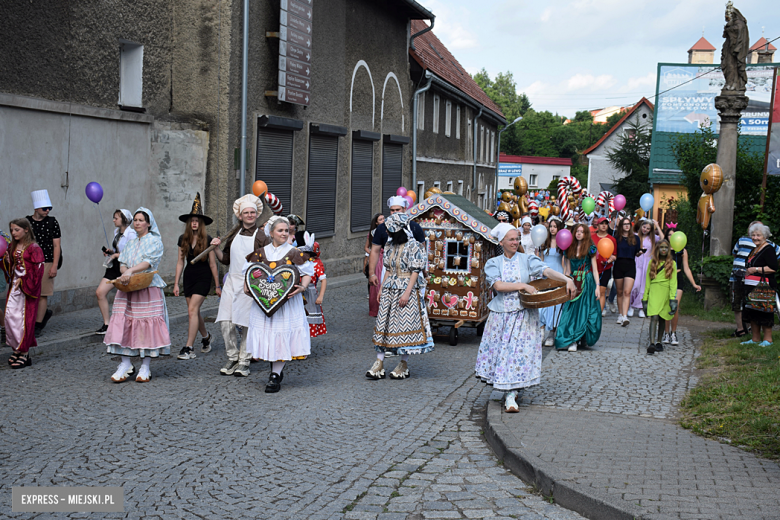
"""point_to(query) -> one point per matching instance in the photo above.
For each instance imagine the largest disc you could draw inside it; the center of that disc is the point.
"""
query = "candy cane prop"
(274, 203)
(567, 186)
(606, 198)
(533, 208)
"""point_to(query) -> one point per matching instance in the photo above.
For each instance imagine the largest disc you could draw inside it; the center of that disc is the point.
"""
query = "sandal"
(14, 356)
(738, 333)
(21, 361)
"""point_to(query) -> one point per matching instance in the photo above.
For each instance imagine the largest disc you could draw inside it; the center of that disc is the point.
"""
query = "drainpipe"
(245, 67)
(474, 186)
(419, 91)
(415, 35)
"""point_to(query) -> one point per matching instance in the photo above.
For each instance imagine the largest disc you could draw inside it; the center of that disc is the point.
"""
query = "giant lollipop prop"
(606, 198)
(567, 186)
(94, 192)
(274, 203)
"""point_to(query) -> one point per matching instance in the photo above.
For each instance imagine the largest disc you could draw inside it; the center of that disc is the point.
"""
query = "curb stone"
(544, 477)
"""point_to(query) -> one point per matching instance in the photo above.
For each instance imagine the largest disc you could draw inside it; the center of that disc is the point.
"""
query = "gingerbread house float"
(458, 242)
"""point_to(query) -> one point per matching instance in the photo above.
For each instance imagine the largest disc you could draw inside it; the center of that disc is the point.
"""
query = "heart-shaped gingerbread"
(453, 301)
(271, 287)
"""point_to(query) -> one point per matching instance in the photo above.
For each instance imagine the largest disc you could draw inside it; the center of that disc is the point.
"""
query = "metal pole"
(474, 186)
(768, 136)
(419, 91)
(498, 151)
(244, 74)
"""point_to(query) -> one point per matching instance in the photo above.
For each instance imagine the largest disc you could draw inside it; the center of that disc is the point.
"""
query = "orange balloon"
(606, 248)
(412, 195)
(259, 188)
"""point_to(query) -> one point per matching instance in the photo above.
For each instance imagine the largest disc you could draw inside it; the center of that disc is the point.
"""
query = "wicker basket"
(137, 282)
(550, 292)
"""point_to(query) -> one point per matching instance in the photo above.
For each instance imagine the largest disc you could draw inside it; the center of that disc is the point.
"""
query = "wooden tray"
(554, 294)
(137, 282)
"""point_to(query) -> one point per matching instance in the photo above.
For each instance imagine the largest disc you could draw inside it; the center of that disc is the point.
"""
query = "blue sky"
(587, 54)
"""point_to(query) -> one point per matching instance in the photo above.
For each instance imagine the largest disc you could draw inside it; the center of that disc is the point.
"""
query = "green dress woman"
(580, 322)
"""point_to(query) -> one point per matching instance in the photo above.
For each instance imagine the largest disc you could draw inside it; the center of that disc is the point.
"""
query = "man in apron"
(234, 304)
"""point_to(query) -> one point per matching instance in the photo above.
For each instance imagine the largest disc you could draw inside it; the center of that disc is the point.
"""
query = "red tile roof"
(759, 45)
(617, 125)
(432, 55)
(527, 159)
(702, 45)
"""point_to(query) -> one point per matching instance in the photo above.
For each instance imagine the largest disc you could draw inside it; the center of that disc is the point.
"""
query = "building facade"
(538, 172)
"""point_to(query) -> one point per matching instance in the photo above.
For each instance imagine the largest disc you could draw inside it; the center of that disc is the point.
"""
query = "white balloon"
(538, 235)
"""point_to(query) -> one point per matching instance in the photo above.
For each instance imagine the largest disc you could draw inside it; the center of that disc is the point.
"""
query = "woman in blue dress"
(510, 354)
(552, 258)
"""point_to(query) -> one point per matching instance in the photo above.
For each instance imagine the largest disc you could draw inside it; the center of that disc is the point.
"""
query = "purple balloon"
(94, 192)
(409, 201)
(619, 201)
(401, 192)
(563, 239)
(3, 247)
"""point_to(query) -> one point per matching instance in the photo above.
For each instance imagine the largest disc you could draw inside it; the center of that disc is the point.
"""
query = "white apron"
(235, 304)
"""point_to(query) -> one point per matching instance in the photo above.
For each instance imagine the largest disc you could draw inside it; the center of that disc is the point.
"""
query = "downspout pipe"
(419, 91)
(415, 35)
(244, 81)
(474, 175)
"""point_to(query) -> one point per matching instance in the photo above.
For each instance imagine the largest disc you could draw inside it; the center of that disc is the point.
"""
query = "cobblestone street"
(194, 444)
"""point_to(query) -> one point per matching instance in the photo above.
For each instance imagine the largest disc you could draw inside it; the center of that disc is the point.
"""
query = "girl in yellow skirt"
(659, 301)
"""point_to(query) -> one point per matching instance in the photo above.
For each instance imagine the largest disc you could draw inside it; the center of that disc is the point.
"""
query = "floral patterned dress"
(510, 354)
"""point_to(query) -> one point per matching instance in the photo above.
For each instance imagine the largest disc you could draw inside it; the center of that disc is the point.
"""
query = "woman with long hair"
(374, 290)
(659, 298)
(197, 276)
(22, 265)
(681, 262)
(552, 258)
(402, 326)
(624, 271)
(122, 233)
(580, 323)
(648, 233)
(139, 319)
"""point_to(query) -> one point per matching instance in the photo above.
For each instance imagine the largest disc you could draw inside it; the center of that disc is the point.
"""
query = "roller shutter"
(321, 186)
(362, 189)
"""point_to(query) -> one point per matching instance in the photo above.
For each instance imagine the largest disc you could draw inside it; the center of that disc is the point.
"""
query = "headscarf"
(247, 201)
(500, 231)
(153, 229)
(270, 224)
(128, 216)
(526, 220)
(500, 214)
(397, 222)
(395, 200)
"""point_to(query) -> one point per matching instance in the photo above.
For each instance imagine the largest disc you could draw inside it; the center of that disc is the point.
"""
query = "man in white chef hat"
(48, 236)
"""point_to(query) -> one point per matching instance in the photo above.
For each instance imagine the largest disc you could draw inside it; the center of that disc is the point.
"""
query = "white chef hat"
(41, 199)
(247, 201)
(396, 200)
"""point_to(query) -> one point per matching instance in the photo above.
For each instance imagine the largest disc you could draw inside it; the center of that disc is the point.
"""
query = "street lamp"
(498, 152)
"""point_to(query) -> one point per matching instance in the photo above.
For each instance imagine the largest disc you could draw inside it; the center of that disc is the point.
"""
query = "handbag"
(762, 296)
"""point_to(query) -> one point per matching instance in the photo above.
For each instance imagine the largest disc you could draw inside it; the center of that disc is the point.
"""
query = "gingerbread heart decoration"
(450, 302)
(270, 287)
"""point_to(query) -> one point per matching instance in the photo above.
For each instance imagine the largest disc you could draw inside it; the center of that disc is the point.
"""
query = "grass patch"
(739, 398)
(692, 305)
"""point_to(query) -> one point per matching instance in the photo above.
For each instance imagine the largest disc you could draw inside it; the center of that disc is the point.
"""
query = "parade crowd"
(607, 264)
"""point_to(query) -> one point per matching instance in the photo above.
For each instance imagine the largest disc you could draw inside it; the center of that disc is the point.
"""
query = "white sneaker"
(630, 312)
(641, 313)
(510, 404)
(122, 373)
(549, 341)
(665, 339)
(144, 375)
(604, 311)
(673, 339)
(573, 347)
(612, 307)
(620, 319)
(625, 322)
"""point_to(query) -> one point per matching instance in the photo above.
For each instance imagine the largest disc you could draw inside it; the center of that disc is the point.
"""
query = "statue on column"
(735, 50)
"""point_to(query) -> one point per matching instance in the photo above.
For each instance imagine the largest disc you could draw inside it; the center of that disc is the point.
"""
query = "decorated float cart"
(458, 242)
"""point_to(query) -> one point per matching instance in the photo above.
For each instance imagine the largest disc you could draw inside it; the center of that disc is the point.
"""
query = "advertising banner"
(690, 106)
(773, 150)
(510, 170)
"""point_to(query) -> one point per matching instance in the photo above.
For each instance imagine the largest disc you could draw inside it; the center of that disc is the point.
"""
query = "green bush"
(719, 269)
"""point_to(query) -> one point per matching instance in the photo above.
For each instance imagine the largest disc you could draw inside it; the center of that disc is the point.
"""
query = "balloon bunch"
(409, 195)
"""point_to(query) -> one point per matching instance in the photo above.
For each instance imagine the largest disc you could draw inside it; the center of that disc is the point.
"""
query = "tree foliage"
(631, 156)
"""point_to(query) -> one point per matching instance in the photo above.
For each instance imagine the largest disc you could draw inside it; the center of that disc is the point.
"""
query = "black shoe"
(38, 329)
(659, 347)
(206, 344)
(651, 349)
(102, 330)
(46, 317)
(274, 384)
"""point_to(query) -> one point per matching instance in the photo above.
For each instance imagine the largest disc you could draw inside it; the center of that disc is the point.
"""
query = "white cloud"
(452, 26)
(546, 14)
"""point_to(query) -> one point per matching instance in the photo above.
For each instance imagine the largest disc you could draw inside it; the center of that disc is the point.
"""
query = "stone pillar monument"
(730, 104)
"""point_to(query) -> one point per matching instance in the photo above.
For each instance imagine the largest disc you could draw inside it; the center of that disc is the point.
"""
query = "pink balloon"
(3, 247)
(563, 239)
(409, 200)
(619, 202)
(401, 192)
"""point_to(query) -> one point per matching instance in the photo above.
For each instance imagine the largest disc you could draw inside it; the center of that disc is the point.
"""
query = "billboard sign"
(510, 170)
(690, 104)
(773, 150)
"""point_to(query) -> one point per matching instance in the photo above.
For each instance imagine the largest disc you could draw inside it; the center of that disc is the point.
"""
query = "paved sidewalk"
(599, 435)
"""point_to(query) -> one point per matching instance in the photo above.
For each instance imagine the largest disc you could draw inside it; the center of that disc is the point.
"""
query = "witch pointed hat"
(197, 211)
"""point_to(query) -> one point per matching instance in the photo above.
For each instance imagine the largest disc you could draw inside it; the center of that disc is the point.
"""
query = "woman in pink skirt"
(139, 319)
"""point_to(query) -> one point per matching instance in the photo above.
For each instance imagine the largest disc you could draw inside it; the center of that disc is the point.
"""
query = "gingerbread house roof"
(466, 212)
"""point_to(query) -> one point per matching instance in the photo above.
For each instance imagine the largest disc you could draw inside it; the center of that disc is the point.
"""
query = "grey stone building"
(145, 98)
(601, 174)
(456, 125)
